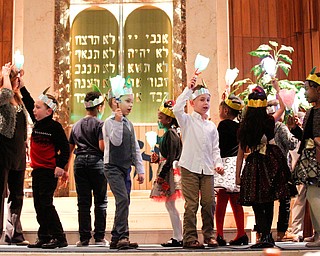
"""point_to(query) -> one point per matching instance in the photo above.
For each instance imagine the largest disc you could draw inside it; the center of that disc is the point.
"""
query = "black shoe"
(55, 243)
(172, 243)
(266, 241)
(243, 240)
(38, 243)
(221, 241)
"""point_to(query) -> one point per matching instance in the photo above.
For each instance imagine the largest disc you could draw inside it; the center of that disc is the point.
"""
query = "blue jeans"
(89, 177)
(117, 179)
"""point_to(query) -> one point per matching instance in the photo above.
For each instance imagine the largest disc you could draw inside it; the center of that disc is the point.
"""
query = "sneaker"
(82, 243)
(101, 241)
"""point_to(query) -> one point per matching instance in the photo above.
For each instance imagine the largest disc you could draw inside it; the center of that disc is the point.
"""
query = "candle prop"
(18, 59)
(151, 137)
(200, 64)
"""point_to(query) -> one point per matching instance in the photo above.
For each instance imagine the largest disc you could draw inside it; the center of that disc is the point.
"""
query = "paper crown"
(234, 103)
(166, 108)
(96, 101)
(313, 77)
(260, 100)
(120, 86)
(49, 102)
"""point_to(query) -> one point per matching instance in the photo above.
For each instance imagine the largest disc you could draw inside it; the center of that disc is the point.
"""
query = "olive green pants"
(194, 187)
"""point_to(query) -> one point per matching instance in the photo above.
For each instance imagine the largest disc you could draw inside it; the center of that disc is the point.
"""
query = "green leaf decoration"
(260, 54)
(95, 88)
(285, 67)
(313, 70)
(285, 58)
(273, 43)
(264, 47)
(257, 70)
(286, 48)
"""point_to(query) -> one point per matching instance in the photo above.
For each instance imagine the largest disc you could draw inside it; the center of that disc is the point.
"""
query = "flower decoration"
(200, 64)
(151, 137)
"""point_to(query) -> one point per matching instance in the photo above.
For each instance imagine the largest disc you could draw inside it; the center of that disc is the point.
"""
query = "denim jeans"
(90, 178)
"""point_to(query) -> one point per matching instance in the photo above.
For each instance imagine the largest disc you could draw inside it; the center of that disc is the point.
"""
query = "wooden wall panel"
(294, 23)
(6, 25)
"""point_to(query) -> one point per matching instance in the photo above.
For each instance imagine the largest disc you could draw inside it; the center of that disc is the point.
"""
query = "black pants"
(90, 178)
(263, 215)
(44, 184)
(284, 214)
(13, 181)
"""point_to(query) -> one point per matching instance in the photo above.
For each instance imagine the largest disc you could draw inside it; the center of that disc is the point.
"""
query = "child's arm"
(138, 163)
(216, 152)
(113, 130)
(240, 157)
(178, 108)
(28, 102)
(63, 151)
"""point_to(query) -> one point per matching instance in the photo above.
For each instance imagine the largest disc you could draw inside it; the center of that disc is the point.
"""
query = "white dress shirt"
(112, 131)
(200, 139)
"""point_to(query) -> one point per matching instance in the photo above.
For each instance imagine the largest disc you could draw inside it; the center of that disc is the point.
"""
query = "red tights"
(222, 200)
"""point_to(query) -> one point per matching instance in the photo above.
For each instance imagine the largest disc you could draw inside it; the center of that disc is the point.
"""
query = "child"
(266, 175)
(89, 176)
(49, 153)
(307, 169)
(121, 151)
(200, 157)
(228, 127)
(285, 141)
(165, 187)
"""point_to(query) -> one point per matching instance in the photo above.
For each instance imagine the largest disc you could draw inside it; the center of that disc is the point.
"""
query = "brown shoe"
(193, 245)
(211, 242)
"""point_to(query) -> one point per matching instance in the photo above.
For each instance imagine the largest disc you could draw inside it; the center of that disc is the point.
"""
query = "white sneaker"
(103, 242)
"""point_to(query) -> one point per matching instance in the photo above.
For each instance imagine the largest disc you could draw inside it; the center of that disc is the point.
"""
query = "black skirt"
(266, 177)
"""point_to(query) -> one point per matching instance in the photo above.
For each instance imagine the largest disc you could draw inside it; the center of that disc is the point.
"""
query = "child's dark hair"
(232, 112)
(92, 96)
(255, 123)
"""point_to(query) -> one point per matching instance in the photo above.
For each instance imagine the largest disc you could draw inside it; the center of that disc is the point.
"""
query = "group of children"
(105, 152)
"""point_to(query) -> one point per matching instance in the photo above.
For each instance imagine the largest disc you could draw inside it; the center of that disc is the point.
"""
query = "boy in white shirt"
(199, 160)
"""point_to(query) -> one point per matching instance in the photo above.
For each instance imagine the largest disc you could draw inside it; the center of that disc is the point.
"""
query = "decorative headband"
(49, 102)
(234, 105)
(257, 103)
(166, 108)
(93, 103)
(313, 77)
(199, 92)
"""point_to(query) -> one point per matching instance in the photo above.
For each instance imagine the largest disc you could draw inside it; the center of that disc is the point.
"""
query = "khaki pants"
(313, 197)
(195, 186)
